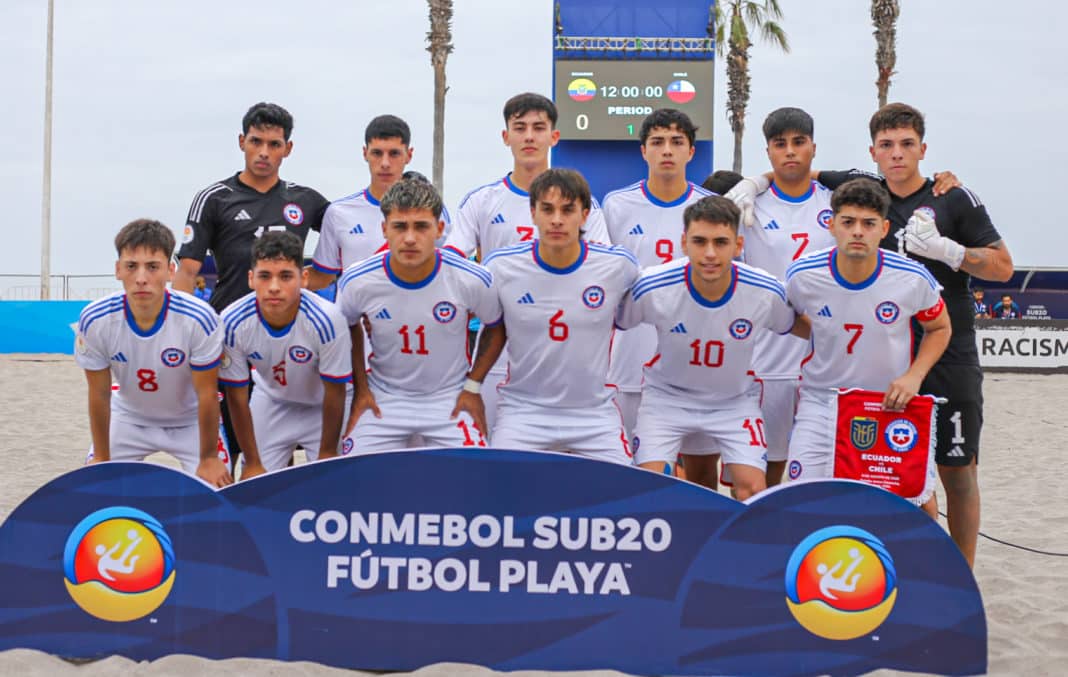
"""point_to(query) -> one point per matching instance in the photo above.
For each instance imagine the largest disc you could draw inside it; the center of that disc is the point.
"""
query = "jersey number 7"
(859, 329)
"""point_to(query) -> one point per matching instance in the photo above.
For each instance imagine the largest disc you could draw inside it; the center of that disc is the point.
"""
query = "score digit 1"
(630, 130)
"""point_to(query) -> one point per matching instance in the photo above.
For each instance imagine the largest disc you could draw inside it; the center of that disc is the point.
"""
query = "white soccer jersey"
(419, 331)
(352, 232)
(651, 229)
(704, 349)
(786, 228)
(498, 215)
(560, 322)
(861, 334)
(291, 363)
(153, 368)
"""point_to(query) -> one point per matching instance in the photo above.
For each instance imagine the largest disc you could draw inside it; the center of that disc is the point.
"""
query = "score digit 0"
(582, 122)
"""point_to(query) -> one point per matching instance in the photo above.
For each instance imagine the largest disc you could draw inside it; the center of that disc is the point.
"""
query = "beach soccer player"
(708, 312)
(950, 232)
(416, 299)
(860, 300)
(498, 214)
(298, 344)
(162, 348)
(559, 294)
(791, 219)
(352, 226)
(646, 218)
(227, 216)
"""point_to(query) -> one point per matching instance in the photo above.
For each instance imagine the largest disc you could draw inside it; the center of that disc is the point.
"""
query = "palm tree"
(440, 38)
(745, 17)
(884, 15)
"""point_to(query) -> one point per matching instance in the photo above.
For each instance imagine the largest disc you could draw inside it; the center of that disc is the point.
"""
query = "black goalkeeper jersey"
(960, 216)
(227, 216)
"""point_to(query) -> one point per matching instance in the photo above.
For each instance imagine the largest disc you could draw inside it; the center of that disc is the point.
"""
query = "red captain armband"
(932, 312)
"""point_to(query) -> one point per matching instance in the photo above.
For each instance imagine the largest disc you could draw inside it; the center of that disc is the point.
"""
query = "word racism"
(367, 571)
(1025, 347)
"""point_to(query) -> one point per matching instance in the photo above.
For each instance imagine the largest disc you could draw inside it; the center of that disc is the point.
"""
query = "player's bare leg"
(773, 475)
(662, 467)
(703, 470)
(748, 480)
(931, 507)
(962, 506)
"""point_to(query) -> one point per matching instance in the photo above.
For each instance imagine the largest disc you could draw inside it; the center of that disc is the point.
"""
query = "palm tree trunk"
(884, 15)
(737, 94)
(440, 39)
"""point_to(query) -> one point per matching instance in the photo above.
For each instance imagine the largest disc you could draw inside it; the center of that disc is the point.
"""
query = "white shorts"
(594, 432)
(665, 430)
(281, 426)
(133, 442)
(410, 420)
(779, 402)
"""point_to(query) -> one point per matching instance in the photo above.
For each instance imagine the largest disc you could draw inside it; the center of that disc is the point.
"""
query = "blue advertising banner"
(511, 560)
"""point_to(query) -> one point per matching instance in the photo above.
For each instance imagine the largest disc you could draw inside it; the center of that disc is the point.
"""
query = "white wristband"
(472, 386)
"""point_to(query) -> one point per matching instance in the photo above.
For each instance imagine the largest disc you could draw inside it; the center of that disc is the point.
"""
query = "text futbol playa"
(367, 570)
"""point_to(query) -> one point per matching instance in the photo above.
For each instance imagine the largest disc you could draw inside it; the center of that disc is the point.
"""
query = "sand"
(1025, 501)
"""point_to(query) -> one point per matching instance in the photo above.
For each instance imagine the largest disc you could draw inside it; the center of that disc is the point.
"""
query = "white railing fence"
(61, 287)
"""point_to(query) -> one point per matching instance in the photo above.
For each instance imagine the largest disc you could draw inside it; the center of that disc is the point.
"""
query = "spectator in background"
(982, 310)
(201, 290)
(1006, 309)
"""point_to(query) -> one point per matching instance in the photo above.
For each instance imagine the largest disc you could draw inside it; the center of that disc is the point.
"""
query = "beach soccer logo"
(840, 583)
(824, 218)
(118, 564)
(901, 435)
(593, 296)
(444, 312)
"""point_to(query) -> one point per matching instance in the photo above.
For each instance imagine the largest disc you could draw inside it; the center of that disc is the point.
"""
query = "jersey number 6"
(558, 330)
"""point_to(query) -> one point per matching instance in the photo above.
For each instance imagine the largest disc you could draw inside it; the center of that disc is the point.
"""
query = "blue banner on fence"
(511, 560)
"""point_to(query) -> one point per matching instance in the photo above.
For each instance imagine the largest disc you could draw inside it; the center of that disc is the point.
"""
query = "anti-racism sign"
(511, 560)
(1023, 345)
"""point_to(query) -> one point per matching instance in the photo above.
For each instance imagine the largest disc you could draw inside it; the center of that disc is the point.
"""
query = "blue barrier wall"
(38, 326)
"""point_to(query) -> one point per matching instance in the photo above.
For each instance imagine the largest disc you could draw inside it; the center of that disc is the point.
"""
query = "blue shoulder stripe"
(772, 286)
(613, 249)
(472, 192)
(456, 262)
(347, 197)
(646, 276)
(318, 319)
(96, 310)
(914, 268)
(522, 248)
(181, 310)
(638, 292)
(233, 322)
(194, 309)
(358, 269)
(624, 189)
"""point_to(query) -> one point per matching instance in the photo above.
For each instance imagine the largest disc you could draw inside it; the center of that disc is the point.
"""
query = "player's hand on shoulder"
(214, 472)
(901, 391)
(744, 195)
(252, 469)
(945, 182)
(923, 239)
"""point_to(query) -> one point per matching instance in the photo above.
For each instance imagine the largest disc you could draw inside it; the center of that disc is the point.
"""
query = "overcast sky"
(149, 96)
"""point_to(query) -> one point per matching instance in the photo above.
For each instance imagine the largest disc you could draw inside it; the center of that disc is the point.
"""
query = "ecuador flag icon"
(681, 91)
(582, 89)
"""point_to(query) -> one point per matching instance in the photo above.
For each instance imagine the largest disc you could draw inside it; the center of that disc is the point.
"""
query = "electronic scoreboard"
(606, 100)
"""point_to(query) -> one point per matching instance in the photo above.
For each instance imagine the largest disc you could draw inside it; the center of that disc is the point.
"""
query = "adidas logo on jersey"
(498, 219)
(771, 225)
(357, 229)
(636, 230)
(956, 452)
(825, 311)
(526, 298)
(119, 357)
(383, 315)
(679, 328)
(255, 356)
(242, 216)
